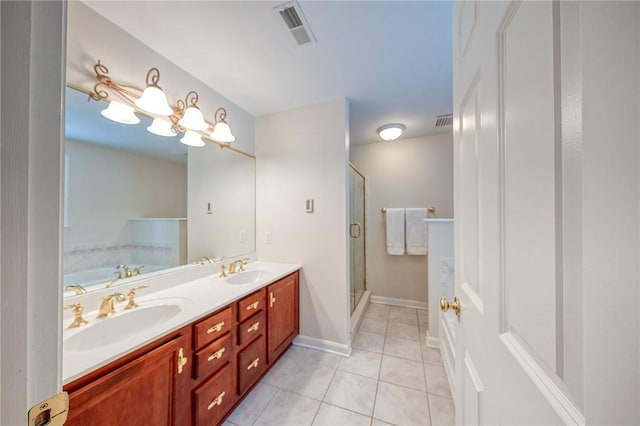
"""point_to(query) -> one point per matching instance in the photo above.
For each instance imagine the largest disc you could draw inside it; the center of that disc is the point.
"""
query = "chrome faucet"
(107, 306)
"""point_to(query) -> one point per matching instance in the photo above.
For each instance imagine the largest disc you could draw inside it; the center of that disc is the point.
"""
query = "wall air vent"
(444, 120)
(296, 23)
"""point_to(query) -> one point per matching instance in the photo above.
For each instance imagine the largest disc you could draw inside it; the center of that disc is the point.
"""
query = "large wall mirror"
(137, 204)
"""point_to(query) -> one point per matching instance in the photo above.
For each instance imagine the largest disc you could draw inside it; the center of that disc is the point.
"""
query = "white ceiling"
(391, 59)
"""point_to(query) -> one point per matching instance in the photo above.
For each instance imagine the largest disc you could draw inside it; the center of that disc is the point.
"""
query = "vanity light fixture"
(162, 127)
(153, 99)
(168, 120)
(120, 113)
(391, 132)
(221, 130)
(192, 138)
(192, 118)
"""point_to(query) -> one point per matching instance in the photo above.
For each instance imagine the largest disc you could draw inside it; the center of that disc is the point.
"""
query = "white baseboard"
(399, 302)
(432, 342)
(322, 345)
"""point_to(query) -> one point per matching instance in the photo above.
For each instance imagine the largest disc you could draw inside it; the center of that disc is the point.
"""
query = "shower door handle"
(356, 227)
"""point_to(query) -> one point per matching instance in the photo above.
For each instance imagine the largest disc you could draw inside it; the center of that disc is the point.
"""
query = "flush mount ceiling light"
(153, 99)
(185, 116)
(391, 132)
(120, 113)
(221, 130)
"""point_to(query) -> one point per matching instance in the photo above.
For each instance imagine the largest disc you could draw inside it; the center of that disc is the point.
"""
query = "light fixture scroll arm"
(128, 93)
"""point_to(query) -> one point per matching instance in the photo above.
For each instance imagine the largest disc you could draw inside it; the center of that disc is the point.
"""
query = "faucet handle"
(132, 294)
(223, 274)
(136, 270)
(77, 288)
(119, 277)
(77, 315)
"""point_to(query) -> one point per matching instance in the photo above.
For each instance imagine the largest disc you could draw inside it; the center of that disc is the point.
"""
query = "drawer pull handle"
(272, 300)
(216, 355)
(216, 327)
(217, 401)
(253, 306)
(253, 364)
(254, 327)
(182, 360)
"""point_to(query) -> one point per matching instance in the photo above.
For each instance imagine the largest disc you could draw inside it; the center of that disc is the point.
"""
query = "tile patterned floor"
(391, 378)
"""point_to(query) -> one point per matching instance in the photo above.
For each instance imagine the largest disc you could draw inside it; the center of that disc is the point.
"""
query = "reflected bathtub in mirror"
(147, 203)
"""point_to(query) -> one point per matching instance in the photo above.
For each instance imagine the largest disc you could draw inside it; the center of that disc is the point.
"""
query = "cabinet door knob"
(216, 401)
(216, 355)
(252, 306)
(216, 327)
(272, 300)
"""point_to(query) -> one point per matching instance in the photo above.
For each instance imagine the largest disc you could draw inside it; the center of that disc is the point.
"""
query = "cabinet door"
(141, 392)
(283, 314)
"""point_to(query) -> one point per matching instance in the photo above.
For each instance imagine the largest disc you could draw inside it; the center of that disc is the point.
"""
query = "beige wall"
(416, 172)
(107, 187)
(303, 154)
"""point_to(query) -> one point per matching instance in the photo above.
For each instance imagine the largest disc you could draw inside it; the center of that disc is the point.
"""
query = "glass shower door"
(356, 236)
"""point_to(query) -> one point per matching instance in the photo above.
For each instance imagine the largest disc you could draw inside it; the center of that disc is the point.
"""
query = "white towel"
(416, 231)
(395, 231)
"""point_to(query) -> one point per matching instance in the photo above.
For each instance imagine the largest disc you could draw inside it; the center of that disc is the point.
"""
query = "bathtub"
(104, 275)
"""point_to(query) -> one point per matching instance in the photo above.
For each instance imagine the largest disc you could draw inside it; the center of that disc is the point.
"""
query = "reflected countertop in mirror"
(137, 204)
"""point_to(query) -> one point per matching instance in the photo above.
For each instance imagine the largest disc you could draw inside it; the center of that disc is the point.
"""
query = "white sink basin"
(249, 277)
(110, 330)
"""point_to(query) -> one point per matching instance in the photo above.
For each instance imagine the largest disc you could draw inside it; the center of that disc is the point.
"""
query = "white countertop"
(197, 298)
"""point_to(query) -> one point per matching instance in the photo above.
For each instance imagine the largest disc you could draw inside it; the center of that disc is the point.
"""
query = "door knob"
(445, 305)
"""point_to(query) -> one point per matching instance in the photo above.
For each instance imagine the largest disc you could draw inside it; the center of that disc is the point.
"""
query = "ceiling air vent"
(296, 23)
(444, 120)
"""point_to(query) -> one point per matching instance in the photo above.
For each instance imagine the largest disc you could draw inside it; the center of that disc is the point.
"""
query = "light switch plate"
(309, 205)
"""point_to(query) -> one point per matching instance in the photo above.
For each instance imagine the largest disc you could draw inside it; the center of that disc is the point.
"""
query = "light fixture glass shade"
(193, 119)
(391, 132)
(192, 139)
(161, 127)
(222, 133)
(120, 113)
(154, 100)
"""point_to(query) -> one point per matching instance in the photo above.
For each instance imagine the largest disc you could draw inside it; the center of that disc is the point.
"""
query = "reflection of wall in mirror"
(107, 188)
(225, 180)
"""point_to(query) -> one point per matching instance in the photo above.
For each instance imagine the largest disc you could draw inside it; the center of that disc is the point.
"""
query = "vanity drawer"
(251, 328)
(252, 362)
(207, 330)
(213, 399)
(251, 304)
(213, 356)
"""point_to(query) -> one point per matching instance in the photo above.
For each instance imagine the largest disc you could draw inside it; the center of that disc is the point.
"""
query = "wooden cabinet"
(145, 390)
(196, 375)
(283, 316)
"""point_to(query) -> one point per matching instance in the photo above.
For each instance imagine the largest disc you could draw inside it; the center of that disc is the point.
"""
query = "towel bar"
(430, 209)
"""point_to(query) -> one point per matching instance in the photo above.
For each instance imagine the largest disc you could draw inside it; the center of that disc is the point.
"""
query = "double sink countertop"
(160, 312)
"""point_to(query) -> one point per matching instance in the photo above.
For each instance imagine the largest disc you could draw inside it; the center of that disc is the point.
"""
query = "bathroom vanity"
(197, 372)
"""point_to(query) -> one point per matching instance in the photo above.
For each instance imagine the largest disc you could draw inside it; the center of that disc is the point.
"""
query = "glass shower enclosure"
(357, 238)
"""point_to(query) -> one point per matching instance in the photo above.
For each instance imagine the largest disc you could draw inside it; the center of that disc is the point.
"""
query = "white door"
(524, 348)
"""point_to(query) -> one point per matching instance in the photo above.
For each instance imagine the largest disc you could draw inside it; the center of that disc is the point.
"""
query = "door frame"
(33, 37)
